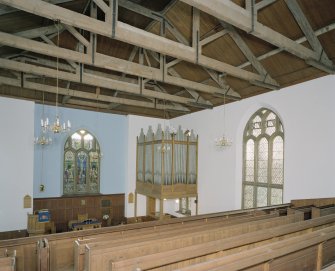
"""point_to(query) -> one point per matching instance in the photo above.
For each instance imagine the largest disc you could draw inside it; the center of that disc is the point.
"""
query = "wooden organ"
(167, 165)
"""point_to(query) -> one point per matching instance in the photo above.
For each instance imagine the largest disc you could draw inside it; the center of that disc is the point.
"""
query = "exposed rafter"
(141, 10)
(91, 54)
(159, 88)
(263, 4)
(218, 78)
(248, 53)
(37, 32)
(6, 9)
(66, 98)
(318, 32)
(309, 33)
(196, 43)
(193, 93)
(243, 19)
(91, 79)
(77, 35)
(130, 34)
(50, 42)
(85, 95)
(160, 17)
(157, 17)
(102, 61)
(213, 37)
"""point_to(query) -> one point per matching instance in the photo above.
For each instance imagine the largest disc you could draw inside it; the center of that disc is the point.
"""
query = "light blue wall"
(111, 132)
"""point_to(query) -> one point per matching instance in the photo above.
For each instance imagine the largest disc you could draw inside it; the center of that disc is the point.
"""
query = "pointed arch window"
(263, 160)
(81, 171)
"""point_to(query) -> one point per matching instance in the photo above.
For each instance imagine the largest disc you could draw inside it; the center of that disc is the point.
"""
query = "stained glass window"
(81, 164)
(263, 160)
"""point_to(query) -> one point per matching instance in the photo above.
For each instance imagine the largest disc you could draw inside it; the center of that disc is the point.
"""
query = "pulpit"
(40, 223)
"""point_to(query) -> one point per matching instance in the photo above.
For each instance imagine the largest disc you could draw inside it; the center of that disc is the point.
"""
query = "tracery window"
(81, 172)
(263, 160)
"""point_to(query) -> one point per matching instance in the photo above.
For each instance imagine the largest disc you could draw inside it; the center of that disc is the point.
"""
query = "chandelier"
(57, 126)
(223, 141)
(44, 138)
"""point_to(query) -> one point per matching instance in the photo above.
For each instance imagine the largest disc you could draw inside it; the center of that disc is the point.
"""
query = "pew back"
(309, 251)
(7, 263)
(98, 256)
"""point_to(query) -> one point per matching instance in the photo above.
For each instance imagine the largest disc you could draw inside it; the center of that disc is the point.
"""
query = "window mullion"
(270, 160)
(244, 170)
(256, 146)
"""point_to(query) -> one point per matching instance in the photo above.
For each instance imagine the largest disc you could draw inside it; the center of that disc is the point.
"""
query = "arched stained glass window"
(263, 160)
(81, 173)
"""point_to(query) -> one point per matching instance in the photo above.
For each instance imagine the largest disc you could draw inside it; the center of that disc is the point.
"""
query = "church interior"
(167, 135)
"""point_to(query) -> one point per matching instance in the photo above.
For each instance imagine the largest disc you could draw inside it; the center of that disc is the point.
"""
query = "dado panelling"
(64, 209)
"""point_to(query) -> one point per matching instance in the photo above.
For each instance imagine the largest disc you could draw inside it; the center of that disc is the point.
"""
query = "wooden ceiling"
(161, 58)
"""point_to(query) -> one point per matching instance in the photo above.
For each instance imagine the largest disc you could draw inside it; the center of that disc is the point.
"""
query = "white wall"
(307, 111)
(16, 161)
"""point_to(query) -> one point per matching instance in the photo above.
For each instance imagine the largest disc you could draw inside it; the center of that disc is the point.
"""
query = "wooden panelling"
(64, 209)
(13, 234)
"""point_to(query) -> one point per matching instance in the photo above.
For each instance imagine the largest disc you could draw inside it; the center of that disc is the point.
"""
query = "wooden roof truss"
(144, 81)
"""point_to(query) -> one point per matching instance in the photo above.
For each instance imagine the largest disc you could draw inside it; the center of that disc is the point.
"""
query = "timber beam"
(325, 63)
(68, 92)
(318, 32)
(102, 61)
(93, 80)
(244, 19)
(132, 35)
(196, 43)
(248, 53)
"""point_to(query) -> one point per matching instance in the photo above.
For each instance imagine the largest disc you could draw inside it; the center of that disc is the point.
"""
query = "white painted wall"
(16, 161)
(307, 111)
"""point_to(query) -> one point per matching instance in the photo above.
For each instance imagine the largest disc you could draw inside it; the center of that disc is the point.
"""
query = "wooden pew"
(121, 238)
(98, 257)
(7, 263)
(43, 263)
(167, 260)
(309, 251)
(307, 210)
(329, 268)
(172, 259)
(322, 211)
(312, 202)
(61, 245)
